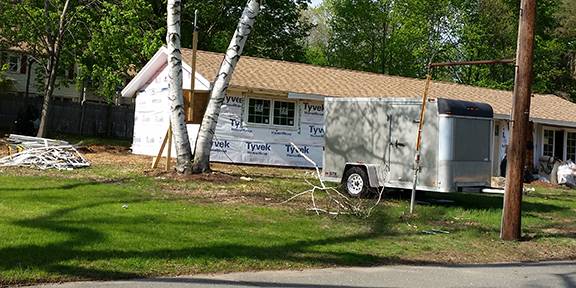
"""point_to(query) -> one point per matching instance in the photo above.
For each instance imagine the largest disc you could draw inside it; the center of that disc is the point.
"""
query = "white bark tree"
(208, 126)
(177, 118)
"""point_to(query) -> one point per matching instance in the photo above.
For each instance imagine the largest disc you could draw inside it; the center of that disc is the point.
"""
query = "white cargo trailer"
(370, 142)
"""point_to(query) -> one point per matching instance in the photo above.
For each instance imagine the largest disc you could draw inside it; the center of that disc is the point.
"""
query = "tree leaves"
(124, 35)
(400, 37)
(279, 33)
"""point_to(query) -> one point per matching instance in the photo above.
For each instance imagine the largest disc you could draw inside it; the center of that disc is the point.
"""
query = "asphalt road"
(545, 274)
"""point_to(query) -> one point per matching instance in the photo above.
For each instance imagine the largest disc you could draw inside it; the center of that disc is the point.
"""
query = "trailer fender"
(370, 169)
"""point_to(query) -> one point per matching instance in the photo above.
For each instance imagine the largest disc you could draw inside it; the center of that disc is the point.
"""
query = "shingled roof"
(282, 76)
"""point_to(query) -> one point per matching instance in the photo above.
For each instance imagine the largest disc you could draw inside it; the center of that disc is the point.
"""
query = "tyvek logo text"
(314, 109)
(236, 125)
(220, 146)
(292, 152)
(316, 131)
(233, 101)
(258, 148)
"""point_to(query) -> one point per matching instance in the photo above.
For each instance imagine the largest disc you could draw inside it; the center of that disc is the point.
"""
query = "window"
(284, 113)
(548, 149)
(571, 146)
(271, 112)
(258, 111)
(555, 142)
(13, 61)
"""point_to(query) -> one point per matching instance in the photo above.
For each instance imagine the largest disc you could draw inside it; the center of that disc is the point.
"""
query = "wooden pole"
(168, 155)
(190, 96)
(511, 215)
(156, 159)
(476, 62)
(418, 142)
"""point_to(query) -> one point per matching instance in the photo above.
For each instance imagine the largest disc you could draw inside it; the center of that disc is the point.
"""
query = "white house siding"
(20, 83)
(152, 117)
(568, 150)
(501, 141)
(537, 142)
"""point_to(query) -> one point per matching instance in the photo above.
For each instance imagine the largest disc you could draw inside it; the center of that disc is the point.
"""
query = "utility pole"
(511, 214)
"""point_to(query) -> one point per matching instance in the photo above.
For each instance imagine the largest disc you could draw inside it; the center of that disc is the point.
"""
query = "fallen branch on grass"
(334, 202)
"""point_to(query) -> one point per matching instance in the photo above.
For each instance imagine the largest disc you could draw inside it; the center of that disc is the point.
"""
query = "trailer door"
(403, 119)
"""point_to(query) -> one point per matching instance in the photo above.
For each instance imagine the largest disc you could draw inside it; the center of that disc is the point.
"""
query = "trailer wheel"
(356, 182)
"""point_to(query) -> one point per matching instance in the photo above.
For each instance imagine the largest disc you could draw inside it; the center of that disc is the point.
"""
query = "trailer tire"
(355, 182)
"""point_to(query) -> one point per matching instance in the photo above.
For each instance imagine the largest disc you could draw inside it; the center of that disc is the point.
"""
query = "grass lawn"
(115, 220)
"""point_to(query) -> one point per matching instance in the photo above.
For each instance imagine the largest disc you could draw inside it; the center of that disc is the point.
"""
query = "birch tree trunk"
(208, 126)
(54, 48)
(177, 117)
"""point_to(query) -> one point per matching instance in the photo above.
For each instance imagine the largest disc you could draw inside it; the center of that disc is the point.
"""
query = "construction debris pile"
(42, 153)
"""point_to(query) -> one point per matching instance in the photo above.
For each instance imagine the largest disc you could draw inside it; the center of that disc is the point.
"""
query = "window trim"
(5, 59)
(246, 111)
(565, 130)
(295, 114)
(271, 125)
(566, 144)
(544, 129)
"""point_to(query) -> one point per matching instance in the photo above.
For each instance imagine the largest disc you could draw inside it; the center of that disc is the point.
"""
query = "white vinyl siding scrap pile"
(42, 153)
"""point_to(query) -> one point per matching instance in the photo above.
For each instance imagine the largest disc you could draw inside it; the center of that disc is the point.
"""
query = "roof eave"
(144, 74)
(539, 120)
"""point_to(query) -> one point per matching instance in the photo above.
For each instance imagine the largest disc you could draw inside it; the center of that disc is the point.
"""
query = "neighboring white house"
(271, 103)
(23, 70)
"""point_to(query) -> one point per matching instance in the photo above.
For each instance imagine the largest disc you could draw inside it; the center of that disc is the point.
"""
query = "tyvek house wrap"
(235, 140)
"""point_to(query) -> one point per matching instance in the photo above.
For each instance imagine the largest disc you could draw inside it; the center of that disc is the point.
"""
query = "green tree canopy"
(399, 37)
(279, 34)
(124, 34)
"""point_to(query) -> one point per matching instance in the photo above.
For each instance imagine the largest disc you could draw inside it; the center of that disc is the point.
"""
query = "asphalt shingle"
(282, 76)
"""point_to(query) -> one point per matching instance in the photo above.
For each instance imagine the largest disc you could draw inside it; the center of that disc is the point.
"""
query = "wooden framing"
(196, 106)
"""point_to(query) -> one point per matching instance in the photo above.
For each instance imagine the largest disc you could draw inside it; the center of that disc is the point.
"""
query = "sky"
(315, 3)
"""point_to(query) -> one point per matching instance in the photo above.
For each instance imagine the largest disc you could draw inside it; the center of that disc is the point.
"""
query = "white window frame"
(247, 107)
(566, 131)
(564, 145)
(6, 56)
(271, 125)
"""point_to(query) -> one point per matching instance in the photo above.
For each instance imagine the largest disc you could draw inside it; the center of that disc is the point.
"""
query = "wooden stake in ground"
(511, 215)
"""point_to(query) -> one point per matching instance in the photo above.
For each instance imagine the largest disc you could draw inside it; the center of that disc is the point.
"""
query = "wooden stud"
(156, 159)
(169, 154)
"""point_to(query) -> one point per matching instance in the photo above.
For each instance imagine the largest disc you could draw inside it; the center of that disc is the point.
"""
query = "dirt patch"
(90, 149)
(213, 177)
(543, 184)
(4, 151)
(496, 251)
(240, 193)
(455, 224)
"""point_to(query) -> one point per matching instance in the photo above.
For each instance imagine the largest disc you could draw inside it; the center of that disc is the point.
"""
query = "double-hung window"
(271, 112)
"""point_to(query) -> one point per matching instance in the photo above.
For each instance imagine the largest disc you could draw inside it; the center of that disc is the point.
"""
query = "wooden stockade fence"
(90, 119)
